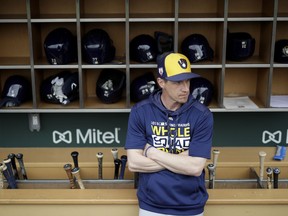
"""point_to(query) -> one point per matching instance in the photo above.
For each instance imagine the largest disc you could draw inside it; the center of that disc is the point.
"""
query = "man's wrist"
(146, 150)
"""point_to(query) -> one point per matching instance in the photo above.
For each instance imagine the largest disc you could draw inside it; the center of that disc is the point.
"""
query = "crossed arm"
(158, 160)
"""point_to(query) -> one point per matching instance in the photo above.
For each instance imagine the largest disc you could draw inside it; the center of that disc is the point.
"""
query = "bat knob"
(67, 166)
(75, 170)
(74, 154)
(100, 155)
(276, 171)
(11, 156)
(269, 170)
(19, 156)
(123, 158)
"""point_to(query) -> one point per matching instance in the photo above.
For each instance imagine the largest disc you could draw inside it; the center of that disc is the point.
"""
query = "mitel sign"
(276, 137)
(89, 136)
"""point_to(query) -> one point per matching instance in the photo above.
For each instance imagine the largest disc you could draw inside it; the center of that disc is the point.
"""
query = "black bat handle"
(136, 180)
(75, 155)
(12, 157)
(11, 183)
(117, 163)
(123, 166)
(276, 172)
(19, 157)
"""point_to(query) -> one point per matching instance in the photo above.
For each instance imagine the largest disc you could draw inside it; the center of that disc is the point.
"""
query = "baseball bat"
(114, 152)
(117, 163)
(20, 160)
(68, 167)
(211, 169)
(10, 182)
(123, 166)
(99, 156)
(76, 173)
(1, 176)
(269, 177)
(8, 164)
(75, 155)
(216, 153)
(13, 162)
(276, 172)
(136, 180)
(262, 156)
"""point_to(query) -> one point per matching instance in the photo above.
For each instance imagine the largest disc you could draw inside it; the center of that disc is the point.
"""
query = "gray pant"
(143, 212)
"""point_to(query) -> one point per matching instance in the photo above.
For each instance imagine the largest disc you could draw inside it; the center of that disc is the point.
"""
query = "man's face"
(176, 91)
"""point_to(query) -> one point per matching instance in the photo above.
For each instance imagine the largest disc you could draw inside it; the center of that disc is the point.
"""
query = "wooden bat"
(13, 162)
(114, 152)
(7, 163)
(68, 168)
(269, 177)
(20, 160)
(216, 153)
(117, 163)
(76, 173)
(11, 184)
(262, 156)
(211, 169)
(276, 172)
(1, 176)
(100, 155)
(123, 166)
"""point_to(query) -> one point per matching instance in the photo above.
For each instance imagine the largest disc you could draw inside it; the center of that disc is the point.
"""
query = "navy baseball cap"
(174, 67)
(17, 89)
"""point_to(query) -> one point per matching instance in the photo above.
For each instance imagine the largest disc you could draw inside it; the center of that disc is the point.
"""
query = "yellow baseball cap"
(174, 67)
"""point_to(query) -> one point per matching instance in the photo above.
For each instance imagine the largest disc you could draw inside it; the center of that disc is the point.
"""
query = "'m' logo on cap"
(182, 63)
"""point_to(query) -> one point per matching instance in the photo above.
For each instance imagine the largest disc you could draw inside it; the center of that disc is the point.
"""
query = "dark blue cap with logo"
(17, 89)
(196, 47)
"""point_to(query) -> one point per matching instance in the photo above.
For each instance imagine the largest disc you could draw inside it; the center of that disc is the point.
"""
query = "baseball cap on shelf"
(174, 67)
(17, 89)
(281, 51)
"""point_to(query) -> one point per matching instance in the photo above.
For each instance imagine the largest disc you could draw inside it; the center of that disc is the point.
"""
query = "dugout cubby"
(24, 30)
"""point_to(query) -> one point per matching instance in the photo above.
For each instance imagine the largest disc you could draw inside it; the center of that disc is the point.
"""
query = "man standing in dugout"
(169, 139)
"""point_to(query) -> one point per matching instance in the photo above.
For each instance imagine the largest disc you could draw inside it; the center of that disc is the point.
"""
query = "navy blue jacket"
(188, 128)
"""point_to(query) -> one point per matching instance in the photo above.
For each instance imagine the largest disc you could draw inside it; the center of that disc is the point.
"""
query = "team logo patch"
(285, 50)
(182, 63)
(160, 71)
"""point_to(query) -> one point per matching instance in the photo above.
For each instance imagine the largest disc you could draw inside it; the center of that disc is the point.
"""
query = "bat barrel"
(76, 173)
(68, 168)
